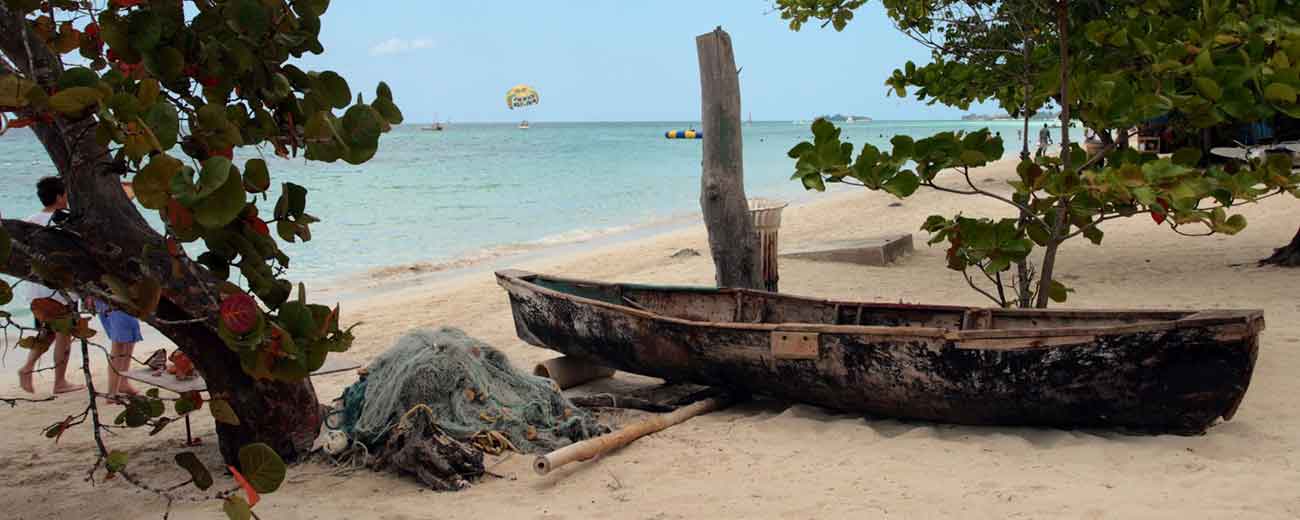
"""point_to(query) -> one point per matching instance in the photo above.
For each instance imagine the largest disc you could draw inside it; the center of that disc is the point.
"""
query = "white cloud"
(400, 45)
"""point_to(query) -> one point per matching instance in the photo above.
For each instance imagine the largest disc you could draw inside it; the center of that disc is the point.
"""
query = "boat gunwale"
(1251, 318)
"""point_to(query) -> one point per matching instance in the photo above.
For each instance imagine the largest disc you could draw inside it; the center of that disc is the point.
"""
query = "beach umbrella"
(521, 96)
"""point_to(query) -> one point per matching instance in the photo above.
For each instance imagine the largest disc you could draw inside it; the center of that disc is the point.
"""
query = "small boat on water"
(1148, 371)
(523, 125)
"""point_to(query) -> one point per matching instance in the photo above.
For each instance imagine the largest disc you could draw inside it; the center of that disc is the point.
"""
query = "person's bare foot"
(125, 388)
(66, 387)
(25, 380)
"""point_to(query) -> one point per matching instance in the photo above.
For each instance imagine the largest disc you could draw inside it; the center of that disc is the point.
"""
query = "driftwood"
(1172, 371)
(419, 448)
(593, 447)
(732, 239)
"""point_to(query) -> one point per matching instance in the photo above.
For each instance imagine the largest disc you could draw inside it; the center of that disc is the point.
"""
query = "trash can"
(767, 221)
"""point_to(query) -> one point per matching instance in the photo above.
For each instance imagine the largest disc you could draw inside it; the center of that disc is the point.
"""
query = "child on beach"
(54, 197)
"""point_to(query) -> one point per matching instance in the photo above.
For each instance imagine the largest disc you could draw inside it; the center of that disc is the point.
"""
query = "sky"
(607, 60)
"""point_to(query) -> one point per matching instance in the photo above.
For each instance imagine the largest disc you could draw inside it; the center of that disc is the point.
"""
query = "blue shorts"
(120, 326)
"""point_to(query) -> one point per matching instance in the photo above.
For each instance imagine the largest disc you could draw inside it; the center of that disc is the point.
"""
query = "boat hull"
(1174, 376)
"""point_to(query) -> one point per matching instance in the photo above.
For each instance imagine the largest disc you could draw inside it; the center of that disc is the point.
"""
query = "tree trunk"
(108, 235)
(1061, 225)
(1286, 256)
(732, 238)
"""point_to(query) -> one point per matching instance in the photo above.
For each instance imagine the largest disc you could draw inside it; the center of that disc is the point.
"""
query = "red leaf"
(209, 81)
(21, 122)
(91, 29)
(1158, 217)
(229, 152)
(239, 313)
(248, 488)
(257, 226)
(194, 397)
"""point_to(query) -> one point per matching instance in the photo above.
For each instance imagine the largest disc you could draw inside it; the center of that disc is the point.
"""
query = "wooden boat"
(1151, 371)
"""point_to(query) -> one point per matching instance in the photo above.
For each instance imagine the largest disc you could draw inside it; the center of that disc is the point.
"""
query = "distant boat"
(523, 125)
(436, 126)
(848, 119)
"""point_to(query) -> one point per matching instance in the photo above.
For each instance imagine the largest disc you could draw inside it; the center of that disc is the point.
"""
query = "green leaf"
(262, 467)
(362, 126)
(73, 101)
(116, 461)
(813, 182)
(334, 88)
(163, 119)
(250, 17)
(903, 184)
(223, 205)
(315, 7)
(216, 170)
(1280, 93)
(295, 197)
(222, 412)
(383, 92)
(78, 77)
(198, 472)
(236, 508)
(14, 91)
(388, 110)
(153, 184)
(1058, 292)
(1233, 225)
(1208, 88)
(145, 29)
(1094, 235)
(257, 178)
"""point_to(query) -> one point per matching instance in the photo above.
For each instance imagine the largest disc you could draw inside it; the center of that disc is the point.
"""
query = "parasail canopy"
(521, 96)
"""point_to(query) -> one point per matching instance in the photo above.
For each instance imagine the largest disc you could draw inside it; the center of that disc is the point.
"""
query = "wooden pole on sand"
(732, 240)
(593, 447)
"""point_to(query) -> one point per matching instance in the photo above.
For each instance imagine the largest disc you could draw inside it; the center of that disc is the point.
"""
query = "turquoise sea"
(482, 190)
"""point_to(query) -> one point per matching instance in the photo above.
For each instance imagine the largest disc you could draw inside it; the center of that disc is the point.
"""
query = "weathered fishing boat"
(1145, 371)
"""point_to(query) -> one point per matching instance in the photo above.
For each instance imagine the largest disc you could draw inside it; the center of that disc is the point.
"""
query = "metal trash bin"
(767, 221)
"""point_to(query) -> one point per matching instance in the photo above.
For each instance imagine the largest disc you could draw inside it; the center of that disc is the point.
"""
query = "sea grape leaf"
(236, 508)
(262, 467)
(198, 472)
(116, 461)
(222, 412)
(223, 205)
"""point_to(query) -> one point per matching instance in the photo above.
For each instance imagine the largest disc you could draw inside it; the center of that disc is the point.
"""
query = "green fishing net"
(475, 393)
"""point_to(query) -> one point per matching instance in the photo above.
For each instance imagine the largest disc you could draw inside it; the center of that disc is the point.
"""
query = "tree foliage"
(174, 88)
(163, 91)
(1112, 65)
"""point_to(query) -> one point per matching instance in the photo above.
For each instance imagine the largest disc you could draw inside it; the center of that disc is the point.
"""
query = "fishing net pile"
(438, 385)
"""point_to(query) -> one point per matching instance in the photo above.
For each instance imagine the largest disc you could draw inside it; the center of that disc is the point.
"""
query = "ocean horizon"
(480, 191)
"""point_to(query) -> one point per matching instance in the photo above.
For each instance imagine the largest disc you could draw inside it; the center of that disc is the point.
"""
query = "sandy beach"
(767, 459)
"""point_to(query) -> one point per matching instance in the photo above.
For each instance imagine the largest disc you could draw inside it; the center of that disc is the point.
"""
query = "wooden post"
(732, 239)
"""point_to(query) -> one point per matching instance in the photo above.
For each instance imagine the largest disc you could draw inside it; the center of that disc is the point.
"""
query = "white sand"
(768, 460)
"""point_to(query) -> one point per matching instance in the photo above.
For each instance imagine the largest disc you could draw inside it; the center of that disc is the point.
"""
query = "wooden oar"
(590, 448)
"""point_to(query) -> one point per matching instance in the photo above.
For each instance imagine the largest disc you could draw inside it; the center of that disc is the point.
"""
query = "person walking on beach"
(54, 197)
(124, 331)
(1044, 139)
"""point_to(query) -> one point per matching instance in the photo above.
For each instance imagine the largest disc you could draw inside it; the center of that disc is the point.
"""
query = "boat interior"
(745, 306)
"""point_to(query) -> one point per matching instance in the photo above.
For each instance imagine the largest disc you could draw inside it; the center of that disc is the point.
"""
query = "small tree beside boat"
(1111, 65)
